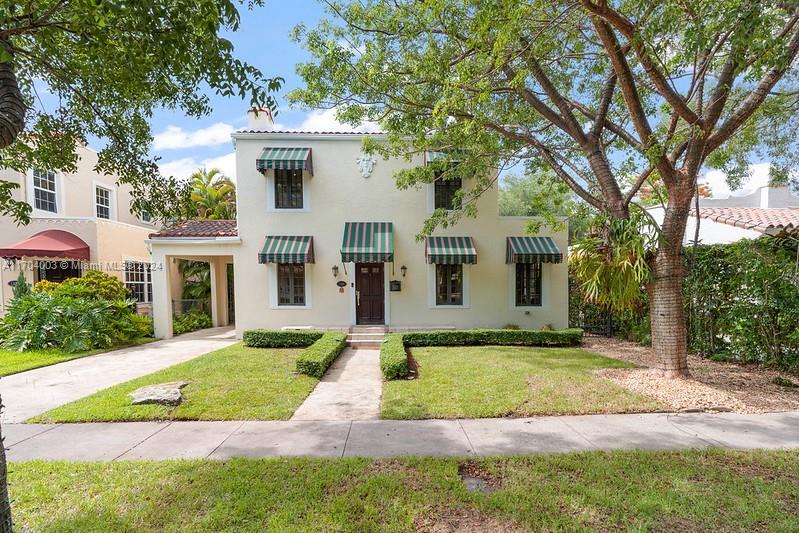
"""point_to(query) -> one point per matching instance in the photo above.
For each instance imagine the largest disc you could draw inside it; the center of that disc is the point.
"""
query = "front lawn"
(234, 383)
(633, 490)
(13, 362)
(496, 381)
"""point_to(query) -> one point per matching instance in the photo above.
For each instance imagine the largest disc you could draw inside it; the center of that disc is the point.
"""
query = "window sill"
(450, 306)
(287, 210)
(289, 307)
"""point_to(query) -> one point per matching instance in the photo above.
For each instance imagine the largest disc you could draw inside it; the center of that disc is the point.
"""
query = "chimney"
(259, 118)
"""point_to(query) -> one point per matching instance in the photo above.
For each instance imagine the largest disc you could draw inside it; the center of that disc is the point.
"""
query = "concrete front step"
(366, 337)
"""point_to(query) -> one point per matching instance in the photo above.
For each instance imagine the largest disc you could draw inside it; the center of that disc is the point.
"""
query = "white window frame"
(431, 288)
(148, 279)
(271, 272)
(149, 218)
(545, 271)
(270, 194)
(112, 207)
(430, 192)
(59, 195)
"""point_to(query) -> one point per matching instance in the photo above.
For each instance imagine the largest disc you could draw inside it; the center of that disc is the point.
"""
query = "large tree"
(213, 195)
(596, 91)
(84, 70)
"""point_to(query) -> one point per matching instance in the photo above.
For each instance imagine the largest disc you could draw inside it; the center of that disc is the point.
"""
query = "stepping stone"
(162, 393)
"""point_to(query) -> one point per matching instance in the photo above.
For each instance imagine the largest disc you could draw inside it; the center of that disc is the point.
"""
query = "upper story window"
(102, 202)
(44, 191)
(445, 191)
(288, 189)
(138, 279)
(145, 217)
(528, 284)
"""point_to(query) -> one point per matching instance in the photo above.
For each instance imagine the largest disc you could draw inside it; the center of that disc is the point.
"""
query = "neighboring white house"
(80, 220)
(768, 210)
(324, 239)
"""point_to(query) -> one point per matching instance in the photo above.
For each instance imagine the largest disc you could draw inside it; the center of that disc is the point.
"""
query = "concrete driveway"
(33, 392)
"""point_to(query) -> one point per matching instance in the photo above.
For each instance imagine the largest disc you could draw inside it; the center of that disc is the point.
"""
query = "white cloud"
(718, 181)
(175, 137)
(325, 120)
(182, 168)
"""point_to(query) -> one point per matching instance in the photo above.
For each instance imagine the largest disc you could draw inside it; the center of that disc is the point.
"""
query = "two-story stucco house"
(324, 239)
(79, 220)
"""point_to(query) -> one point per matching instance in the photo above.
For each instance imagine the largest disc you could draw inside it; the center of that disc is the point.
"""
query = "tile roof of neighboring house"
(764, 220)
(199, 228)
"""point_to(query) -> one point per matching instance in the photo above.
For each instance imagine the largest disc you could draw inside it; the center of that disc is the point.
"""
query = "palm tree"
(213, 195)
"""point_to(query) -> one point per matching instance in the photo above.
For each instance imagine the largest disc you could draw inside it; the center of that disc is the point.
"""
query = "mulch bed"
(712, 385)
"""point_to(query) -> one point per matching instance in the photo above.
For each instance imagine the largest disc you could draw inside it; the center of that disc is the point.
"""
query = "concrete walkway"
(33, 392)
(350, 390)
(384, 438)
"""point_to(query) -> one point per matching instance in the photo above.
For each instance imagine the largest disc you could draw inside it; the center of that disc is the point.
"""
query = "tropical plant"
(213, 195)
(593, 91)
(196, 280)
(21, 287)
(93, 285)
(110, 65)
(190, 322)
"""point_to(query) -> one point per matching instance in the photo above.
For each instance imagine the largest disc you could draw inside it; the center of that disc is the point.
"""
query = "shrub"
(502, 337)
(42, 320)
(269, 338)
(143, 324)
(317, 358)
(393, 357)
(94, 285)
(46, 286)
(190, 322)
(21, 287)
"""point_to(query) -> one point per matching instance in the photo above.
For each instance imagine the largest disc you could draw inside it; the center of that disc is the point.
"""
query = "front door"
(369, 293)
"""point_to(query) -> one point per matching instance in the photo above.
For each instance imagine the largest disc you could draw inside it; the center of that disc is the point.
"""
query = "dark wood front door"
(369, 293)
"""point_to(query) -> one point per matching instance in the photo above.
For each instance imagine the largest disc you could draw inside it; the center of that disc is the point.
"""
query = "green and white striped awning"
(368, 242)
(287, 249)
(450, 250)
(432, 156)
(532, 250)
(284, 158)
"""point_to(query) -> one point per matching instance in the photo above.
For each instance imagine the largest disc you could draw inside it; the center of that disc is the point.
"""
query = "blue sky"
(185, 144)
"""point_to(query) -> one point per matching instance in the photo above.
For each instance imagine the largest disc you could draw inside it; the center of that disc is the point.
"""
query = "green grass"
(657, 491)
(12, 362)
(496, 381)
(234, 383)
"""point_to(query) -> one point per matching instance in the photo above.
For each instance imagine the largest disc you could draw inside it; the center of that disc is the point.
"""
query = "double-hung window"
(528, 284)
(291, 284)
(44, 191)
(138, 279)
(288, 189)
(102, 202)
(449, 284)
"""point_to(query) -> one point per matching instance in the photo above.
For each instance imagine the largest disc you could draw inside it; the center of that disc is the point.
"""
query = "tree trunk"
(667, 313)
(12, 106)
(6, 525)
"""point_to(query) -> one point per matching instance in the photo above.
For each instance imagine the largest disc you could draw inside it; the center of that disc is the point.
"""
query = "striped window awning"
(532, 250)
(287, 249)
(284, 158)
(450, 250)
(368, 242)
(432, 156)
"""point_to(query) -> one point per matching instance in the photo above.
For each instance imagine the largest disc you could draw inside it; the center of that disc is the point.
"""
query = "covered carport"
(210, 241)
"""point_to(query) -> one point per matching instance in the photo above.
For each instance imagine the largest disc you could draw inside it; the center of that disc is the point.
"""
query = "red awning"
(49, 243)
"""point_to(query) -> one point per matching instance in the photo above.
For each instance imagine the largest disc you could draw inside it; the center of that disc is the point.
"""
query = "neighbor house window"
(449, 284)
(102, 202)
(291, 284)
(44, 191)
(528, 284)
(445, 191)
(288, 189)
(145, 217)
(138, 279)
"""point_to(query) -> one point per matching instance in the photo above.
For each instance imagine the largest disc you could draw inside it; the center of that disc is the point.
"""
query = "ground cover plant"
(497, 381)
(234, 383)
(658, 491)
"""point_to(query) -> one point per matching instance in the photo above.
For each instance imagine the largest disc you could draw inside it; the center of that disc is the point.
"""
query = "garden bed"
(658, 491)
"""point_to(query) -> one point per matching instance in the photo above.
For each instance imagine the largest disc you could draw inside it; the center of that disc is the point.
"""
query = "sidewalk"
(33, 392)
(349, 390)
(385, 438)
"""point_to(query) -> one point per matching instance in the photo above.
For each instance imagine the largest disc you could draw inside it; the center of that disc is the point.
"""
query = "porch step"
(366, 337)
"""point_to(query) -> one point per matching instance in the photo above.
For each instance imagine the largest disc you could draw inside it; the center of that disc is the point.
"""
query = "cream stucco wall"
(337, 193)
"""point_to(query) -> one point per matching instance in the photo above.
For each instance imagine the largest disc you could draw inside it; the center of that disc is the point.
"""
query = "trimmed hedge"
(317, 358)
(393, 358)
(269, 338)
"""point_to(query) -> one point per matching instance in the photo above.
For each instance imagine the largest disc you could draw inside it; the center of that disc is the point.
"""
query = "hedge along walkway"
(350, 390)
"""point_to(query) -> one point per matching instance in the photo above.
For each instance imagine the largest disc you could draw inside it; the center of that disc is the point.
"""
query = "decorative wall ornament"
(366, 164)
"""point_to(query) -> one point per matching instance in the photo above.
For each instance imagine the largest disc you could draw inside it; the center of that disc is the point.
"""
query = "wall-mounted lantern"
(404, 270)
(335, 271)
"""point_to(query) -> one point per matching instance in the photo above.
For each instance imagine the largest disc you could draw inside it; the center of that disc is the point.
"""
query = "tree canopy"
(109, 67)
(213, 195)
